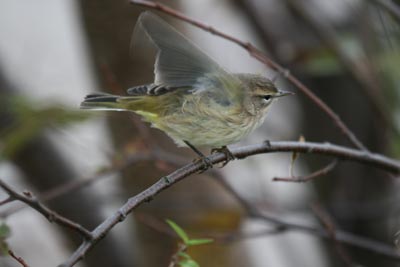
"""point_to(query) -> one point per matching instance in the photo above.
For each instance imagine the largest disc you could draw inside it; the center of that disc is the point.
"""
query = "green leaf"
(188, 263)
(29, 119)
(202, 241)
(323, 63)
(4, 234)
(184, 255)
(178, 230)
(4, 231)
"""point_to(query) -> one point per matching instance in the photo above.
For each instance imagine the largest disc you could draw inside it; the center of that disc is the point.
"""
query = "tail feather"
(96, 95)
(101, 102)
(119, 103)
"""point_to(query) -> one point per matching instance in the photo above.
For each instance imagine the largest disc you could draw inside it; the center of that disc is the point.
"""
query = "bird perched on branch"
(192, 99)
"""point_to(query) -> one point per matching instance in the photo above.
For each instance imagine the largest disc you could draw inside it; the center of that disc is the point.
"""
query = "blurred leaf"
(188, 263)
(389, 62)
(4, 230)
(184, 255)
(185, 259)
(4, 234)
(28, 119)
(178, 230)
(202, 241)
(389, 65)
(322, 63)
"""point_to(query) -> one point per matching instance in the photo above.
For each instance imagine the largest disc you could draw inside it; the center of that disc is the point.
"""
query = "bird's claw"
(228, 154)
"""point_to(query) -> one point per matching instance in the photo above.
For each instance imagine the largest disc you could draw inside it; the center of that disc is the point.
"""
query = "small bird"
(192, 99)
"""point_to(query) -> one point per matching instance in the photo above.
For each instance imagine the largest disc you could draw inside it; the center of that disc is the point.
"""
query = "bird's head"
(261, 91)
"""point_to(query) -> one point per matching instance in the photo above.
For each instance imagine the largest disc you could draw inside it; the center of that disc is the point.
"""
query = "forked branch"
(364, 157)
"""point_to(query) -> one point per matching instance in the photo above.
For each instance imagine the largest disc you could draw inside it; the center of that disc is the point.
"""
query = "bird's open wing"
(179, 63)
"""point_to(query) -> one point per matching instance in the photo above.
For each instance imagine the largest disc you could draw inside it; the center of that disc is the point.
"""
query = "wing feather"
(181, 64)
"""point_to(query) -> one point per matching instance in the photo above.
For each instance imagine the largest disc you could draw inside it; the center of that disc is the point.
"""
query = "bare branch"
(390, 7)
(245, 236)
(365, 76)
(257, 54)
(19, 259)
(330, 227)
(301, 179)
(52, 216)
(364, 157)
(175, 257)
(156, 154)
(283, 225)
(7, 200)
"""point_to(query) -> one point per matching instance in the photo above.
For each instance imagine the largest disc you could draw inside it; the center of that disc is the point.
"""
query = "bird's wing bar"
(151, 89)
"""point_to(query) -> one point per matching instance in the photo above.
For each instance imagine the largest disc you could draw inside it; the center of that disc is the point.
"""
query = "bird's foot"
(228, 154)
(267, 143)
(206, 162)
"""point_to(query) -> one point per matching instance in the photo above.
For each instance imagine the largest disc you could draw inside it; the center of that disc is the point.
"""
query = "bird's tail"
(102, 102)
(143, 105)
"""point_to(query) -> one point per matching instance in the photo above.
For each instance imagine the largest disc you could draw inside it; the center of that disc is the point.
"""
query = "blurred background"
(85, 165)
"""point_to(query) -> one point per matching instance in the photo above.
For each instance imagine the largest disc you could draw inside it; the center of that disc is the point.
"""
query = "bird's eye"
(267, 97)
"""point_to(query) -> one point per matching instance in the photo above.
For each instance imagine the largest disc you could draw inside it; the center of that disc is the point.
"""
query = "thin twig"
(7, 200)
(257, 54)
(390, 7)
(364, 157)
(363, 73)
(161, 227)
(252, 235)
(176, 256)
(19, 259)
(330, 227)
(155, 224)
(117, 167)
(156, 154)
(285, 226)
(52, 216)
(301, 179)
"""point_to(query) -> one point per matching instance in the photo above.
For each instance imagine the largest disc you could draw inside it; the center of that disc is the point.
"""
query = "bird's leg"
(228, 154)
(206, 162)
(268, 143)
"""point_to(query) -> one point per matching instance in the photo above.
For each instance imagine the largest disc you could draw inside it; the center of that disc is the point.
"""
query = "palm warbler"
(192, 99)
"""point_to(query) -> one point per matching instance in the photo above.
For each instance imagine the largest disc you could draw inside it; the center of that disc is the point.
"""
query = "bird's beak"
(283, 93)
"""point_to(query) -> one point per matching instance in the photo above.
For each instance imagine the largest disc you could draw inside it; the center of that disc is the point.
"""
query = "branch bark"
(52, 216)
(364, 157)
(302, 179)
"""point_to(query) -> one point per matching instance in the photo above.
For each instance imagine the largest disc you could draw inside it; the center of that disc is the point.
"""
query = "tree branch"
(390, 7)
(301, 179)
(117, 166)
(331, 229)
(52, 216)
(257, 54)
(283, 225)
(365, 76)
(18, 259)
(340, 152)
